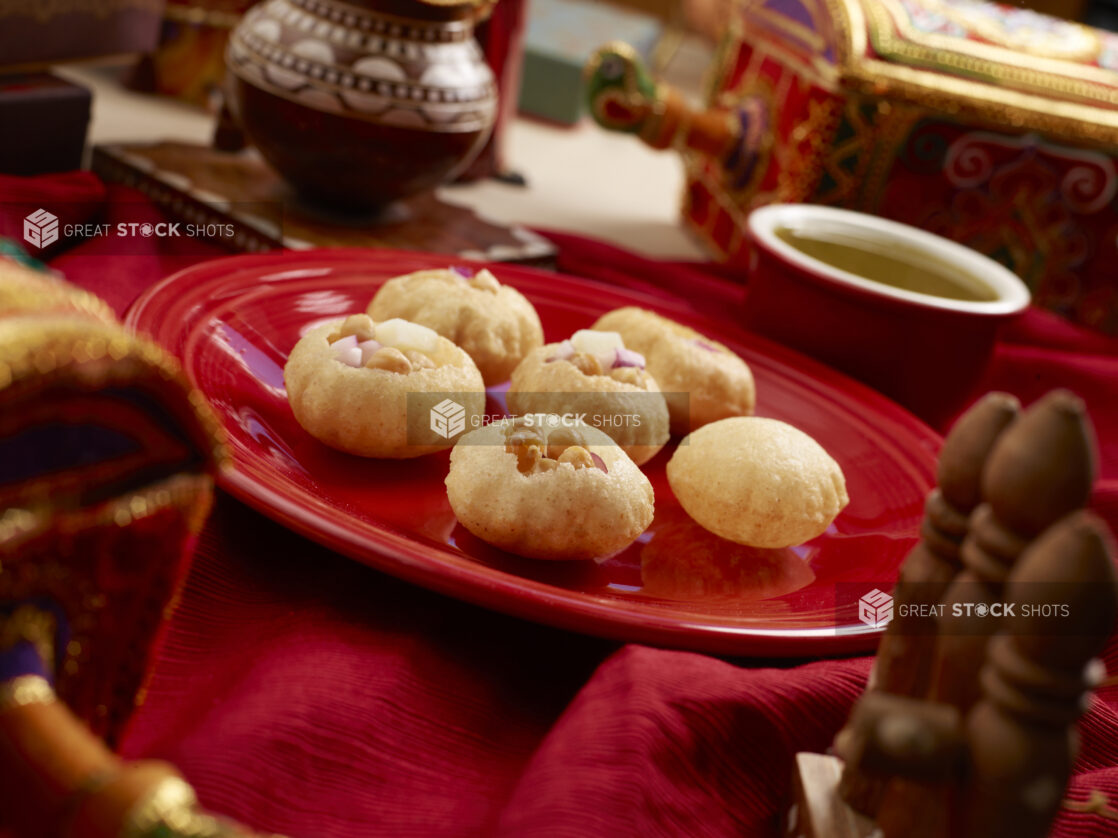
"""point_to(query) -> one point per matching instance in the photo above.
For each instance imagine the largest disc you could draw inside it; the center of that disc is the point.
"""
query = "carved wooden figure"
(1040, 470)
(1022, 734)
(903, 665)
(983, 755)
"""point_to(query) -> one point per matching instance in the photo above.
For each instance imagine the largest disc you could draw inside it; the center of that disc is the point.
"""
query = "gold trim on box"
(1052, 59)
(1041, 74)
(989, 104)
(982, 102)
(851, 43)
(45, 10)
(1042, 105)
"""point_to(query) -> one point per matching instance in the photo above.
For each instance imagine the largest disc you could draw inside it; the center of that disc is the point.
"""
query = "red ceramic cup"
(926, 351)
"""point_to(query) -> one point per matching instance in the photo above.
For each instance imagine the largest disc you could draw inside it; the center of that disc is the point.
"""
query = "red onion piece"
(628, 358)
(563, 352)
(351, 356)
(599, 462)
(465, 273)
(348, 342)
(369, 348)
(702, 344)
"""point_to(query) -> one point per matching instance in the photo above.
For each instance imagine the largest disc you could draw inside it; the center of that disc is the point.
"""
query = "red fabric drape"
(306, 694)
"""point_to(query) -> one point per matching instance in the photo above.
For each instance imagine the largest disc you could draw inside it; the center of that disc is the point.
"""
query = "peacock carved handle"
(622, 96)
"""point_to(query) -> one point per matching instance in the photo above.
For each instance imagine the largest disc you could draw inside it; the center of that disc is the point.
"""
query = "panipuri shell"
(559, 387)
(365, 411)
(719, 383)
(563, 513)
(757, 481)
(495, 329)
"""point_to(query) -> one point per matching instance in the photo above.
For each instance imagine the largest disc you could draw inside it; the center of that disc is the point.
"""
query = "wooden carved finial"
(1045, 468)
(903, 665)
(1021, 735)
(903, 658)
(1041, 469)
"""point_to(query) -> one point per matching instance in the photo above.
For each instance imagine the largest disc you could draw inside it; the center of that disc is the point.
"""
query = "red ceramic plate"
(233, 322)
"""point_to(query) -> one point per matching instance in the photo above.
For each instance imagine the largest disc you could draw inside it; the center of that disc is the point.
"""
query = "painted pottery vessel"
(359, 103)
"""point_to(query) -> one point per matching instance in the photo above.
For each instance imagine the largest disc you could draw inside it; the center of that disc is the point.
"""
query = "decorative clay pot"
(359, 103)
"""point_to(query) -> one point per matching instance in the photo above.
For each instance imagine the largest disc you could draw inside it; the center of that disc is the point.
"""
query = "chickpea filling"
(355, 345)
(536, 453)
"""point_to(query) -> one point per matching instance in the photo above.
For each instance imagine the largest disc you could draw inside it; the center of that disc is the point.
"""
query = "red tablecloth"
(306, 694)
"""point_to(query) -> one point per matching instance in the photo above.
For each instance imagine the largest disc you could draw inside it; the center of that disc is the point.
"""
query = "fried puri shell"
(757, 481)
(365, 411)
(540, 386)
(562, 513)
(494, 323)
(717, 382)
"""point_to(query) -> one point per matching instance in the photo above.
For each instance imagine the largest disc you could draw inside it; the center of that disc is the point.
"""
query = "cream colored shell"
(757, 481)
(365, 411)
(539, 386)
(496, 329)
(719, 383)
(564, 513)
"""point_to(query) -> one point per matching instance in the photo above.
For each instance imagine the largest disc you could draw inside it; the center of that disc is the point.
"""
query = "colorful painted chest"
(991, 125)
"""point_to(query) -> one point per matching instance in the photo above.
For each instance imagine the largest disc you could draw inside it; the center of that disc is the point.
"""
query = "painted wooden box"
(992, 125)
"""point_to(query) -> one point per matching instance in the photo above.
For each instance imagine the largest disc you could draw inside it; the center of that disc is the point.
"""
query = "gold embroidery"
(1096, 804)
(172, 810)
(20, 298)
(24, 691)
(18, 523)
(28, 624)
(35, 347)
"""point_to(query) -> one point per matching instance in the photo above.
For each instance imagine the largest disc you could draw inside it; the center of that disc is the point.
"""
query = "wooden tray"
(202, 185)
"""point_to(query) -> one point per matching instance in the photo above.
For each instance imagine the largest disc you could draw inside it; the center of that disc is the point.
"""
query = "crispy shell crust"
(564, 513)
(496, 330)
(364, 411)
(720, 383)
(560, 387)
(757, 481)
